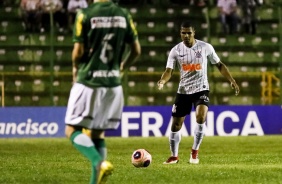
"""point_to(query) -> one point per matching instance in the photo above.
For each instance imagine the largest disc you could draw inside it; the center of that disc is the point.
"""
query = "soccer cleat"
(106, 169)
(194, 159)
(171, 160)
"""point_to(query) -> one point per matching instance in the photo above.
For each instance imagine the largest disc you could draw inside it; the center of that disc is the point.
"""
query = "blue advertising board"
(146, 121)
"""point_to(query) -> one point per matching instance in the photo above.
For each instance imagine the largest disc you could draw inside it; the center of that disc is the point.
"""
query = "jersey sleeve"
(212, 56)
(171, 60)
(78, 27)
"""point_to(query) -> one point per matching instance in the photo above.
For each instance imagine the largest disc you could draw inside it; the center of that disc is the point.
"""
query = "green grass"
(231, 160)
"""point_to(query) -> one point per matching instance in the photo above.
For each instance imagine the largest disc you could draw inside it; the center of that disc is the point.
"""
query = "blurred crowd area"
(36, 13)
(235, 16)
(245, 34)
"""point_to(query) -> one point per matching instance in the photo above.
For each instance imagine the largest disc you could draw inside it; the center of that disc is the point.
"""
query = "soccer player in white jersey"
(191, 56)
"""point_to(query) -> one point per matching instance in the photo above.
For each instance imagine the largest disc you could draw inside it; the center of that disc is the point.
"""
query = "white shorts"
(95, 108)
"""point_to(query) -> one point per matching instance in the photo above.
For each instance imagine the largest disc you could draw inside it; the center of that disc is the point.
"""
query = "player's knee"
(177, 124)
(69, 130)
(200, 119)
(176, 127)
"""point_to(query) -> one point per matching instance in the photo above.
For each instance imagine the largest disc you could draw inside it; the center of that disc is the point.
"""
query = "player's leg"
(80, 114)
(86, 147)
(98, 138)
(107, 116)
(175, 136)
(180, 109)
(201, 113)
(199, 132)
(174, 139)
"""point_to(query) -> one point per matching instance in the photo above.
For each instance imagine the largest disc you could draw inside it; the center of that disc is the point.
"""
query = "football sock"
(198, 135)
(174, 140)
(86, 147)
(100, 145)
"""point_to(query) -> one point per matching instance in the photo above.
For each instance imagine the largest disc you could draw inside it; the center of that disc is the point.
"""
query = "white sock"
(199, 133)
(83, 140)
(174, 140)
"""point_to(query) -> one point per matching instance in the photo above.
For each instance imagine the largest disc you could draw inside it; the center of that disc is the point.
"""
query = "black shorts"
(183, 103)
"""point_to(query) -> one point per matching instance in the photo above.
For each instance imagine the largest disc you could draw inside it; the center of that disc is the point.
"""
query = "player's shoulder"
(201, 42)
(118, 8)
(121, 11)
(85, 10)
(204, 44)
(178, 46)
(124, 10)
(125, 13)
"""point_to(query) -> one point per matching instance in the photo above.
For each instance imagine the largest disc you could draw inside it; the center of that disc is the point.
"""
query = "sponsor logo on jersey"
(106, 73)
(191, 67)
(108, 22)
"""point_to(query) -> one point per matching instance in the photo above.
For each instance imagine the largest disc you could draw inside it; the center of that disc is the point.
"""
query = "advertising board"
(146, 121)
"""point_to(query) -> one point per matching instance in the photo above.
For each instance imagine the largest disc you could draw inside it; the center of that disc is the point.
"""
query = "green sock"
(100, 145)
(85, 146)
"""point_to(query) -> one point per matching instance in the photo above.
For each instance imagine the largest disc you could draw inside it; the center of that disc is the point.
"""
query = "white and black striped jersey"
(192, 64)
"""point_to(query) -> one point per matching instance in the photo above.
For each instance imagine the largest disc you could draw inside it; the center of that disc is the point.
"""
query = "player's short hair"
(187, 24)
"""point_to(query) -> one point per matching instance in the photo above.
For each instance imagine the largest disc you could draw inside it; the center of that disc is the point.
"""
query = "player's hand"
(236, 87)
(161, 84)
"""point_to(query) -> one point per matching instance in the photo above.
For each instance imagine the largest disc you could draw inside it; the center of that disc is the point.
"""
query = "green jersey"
(104, 28)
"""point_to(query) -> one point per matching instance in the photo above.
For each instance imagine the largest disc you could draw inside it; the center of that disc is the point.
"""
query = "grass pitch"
(231, 160)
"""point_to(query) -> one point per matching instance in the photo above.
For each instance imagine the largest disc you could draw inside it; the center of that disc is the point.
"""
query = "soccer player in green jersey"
(101, 33)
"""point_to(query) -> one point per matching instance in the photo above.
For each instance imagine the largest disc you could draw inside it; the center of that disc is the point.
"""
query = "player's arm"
(135, 48)
(77, 53)
(134, 53)
(225, 72)
(165, 77)
(78, 47)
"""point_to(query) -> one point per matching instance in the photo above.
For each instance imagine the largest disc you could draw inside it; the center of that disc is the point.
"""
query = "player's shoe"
(194, 159)
(171, 160)
(106, 169)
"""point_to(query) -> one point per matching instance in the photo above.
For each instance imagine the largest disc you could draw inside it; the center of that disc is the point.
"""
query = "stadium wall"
(145, 121)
